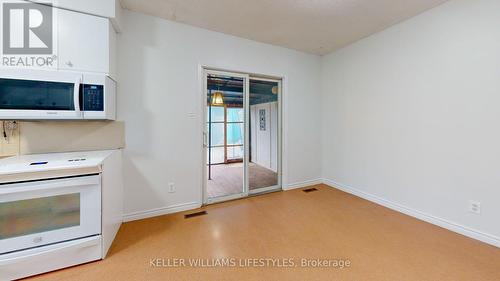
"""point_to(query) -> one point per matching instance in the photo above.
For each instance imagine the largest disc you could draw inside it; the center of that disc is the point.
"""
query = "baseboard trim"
(195, 205)
(302, 184)
(161, 211)
(460, 229)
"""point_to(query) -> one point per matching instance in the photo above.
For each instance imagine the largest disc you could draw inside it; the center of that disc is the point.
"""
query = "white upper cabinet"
(85, 42)
(105, 8)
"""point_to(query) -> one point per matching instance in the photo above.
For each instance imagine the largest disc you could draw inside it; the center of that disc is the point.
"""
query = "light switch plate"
(475, 207)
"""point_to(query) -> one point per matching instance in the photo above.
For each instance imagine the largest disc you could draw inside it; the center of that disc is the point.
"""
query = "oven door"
(44, 212)
(39, 94)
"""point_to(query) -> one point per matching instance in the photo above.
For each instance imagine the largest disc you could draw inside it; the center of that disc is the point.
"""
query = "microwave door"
(39, 95)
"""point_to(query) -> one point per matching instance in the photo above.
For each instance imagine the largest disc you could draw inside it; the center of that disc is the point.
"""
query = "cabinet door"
(83, 42)
(103, 8)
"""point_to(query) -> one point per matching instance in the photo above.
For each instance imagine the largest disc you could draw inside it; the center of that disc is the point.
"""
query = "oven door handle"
(76, 96)
(48, 185)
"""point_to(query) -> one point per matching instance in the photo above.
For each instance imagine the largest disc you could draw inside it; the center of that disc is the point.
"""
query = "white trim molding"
(161, 211)
(195, 205)
(302, 184)
(460, 229)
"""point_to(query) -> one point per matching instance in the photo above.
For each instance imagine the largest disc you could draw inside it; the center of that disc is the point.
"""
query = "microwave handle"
(76, 95)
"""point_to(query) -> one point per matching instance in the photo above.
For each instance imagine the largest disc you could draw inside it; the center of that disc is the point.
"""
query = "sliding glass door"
(241, 136)
(265, 135)
(226, 137)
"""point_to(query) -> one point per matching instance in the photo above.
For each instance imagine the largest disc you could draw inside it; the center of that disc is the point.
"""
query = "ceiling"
(312, 26)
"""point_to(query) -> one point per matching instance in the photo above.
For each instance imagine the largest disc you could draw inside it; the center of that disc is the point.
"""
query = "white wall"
(160, 102)
(412, 115)
(264, 143)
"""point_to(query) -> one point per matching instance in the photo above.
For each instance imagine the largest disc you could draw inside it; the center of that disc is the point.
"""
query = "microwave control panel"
(93, 98)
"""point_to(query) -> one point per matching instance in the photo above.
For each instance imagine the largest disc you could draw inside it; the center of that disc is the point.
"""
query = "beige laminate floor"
(381, 244)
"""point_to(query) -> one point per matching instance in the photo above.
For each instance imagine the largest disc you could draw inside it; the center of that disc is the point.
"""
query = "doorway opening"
(242, 135)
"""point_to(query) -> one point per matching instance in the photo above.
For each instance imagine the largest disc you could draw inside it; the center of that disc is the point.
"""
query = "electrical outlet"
(475, 207)
(9, 139)
(171, 187)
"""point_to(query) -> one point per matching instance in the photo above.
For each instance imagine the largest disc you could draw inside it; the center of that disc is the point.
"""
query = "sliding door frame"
(205, 71)
(246, 95)
(278, 139)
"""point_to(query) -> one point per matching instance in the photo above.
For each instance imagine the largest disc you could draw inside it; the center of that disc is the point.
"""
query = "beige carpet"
(228, 179)
(381, 244)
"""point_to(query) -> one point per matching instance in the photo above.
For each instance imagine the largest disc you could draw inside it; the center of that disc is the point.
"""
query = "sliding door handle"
(205, 141)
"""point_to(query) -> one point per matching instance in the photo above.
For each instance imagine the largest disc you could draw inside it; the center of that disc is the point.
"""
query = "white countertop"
(55, 162)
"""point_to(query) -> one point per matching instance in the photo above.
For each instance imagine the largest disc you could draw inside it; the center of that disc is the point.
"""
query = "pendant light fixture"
(274, 90)
(218, 98)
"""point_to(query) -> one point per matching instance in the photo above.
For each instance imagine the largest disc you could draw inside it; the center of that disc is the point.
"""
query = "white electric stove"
(58, 210)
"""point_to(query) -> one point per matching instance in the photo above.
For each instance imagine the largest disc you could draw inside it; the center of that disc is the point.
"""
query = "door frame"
(278, 139)
(247, 76)
(246, 90)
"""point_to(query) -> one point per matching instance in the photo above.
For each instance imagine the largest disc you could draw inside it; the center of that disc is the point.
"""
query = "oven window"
(37, 215)
(36, 95)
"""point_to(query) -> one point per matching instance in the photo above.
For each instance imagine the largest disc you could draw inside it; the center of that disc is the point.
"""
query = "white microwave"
(42, 95)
